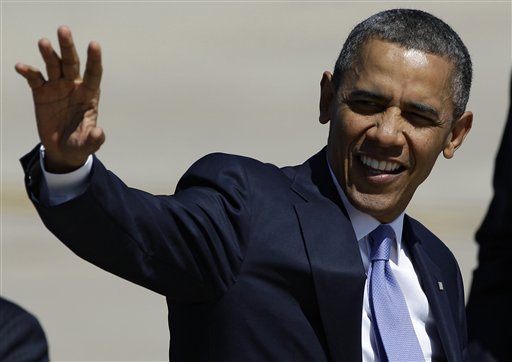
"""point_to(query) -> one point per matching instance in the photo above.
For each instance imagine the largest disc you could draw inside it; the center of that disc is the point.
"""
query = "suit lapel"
(336, 266)
(430, 276)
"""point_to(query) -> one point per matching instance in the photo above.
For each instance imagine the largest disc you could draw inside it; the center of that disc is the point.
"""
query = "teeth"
(379, 165)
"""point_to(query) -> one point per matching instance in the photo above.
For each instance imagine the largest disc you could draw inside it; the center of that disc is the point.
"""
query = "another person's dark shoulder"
(21, 336)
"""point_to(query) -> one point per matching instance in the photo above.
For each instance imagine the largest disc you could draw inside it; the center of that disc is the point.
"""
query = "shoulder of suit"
(225, 169)
(432, 243)
(219, 162)
(14, 317)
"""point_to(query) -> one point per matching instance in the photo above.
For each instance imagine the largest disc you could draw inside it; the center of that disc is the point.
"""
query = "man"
(267, 264)
(488, 309)
(21, 337)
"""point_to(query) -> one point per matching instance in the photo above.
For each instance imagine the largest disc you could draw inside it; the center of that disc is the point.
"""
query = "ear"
(460, 128)
(327, 94)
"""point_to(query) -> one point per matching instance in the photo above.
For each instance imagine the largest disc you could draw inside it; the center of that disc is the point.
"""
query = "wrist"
(57, 165)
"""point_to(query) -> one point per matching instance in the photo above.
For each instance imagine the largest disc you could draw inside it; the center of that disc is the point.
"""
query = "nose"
(388, 130)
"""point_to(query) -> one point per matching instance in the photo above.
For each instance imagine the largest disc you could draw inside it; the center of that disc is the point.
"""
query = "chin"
(375, 206)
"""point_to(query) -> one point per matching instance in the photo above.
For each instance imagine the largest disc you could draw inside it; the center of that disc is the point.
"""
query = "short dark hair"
(412, 29)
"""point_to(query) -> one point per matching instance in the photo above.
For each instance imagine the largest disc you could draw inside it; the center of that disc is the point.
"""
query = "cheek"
(350, 126)
(341, 139)
(426, 151)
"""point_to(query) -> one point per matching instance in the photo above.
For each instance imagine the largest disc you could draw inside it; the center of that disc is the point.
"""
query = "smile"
(381, 167)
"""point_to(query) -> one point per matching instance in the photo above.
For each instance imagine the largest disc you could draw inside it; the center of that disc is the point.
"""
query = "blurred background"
(185, 79)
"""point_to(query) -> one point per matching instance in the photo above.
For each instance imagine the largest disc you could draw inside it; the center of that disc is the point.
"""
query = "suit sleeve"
(488, 309)
(187, 246)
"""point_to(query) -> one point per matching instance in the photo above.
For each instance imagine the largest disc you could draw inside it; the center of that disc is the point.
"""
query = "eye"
(420, 120)
(365, 106)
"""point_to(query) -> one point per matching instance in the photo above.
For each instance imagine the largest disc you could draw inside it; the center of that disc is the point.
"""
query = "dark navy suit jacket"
(490, 300)
(21, 337)
(258, 263)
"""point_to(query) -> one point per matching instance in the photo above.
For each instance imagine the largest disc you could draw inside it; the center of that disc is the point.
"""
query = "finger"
(93, 68)
(94, 140)
(51, 59)
(33, 75)
(69, 57)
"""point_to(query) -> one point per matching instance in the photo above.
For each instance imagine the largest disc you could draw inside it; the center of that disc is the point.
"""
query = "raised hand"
(66, 105)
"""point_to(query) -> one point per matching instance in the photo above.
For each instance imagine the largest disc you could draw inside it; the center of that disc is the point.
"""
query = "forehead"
(402, 74)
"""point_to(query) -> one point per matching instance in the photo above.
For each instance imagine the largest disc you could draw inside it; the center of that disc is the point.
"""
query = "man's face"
(391, 117)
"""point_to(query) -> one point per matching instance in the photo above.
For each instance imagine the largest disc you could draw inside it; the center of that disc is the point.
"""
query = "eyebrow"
(367, 94)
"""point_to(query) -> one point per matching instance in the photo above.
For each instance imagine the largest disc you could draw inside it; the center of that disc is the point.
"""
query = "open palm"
(66, 105)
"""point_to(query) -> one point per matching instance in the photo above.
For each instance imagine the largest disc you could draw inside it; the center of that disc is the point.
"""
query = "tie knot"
(381, 239)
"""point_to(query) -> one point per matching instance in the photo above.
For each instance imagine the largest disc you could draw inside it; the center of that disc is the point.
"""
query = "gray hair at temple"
(412, 29)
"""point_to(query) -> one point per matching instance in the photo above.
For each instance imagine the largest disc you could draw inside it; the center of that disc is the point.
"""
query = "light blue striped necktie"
(391, 322)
